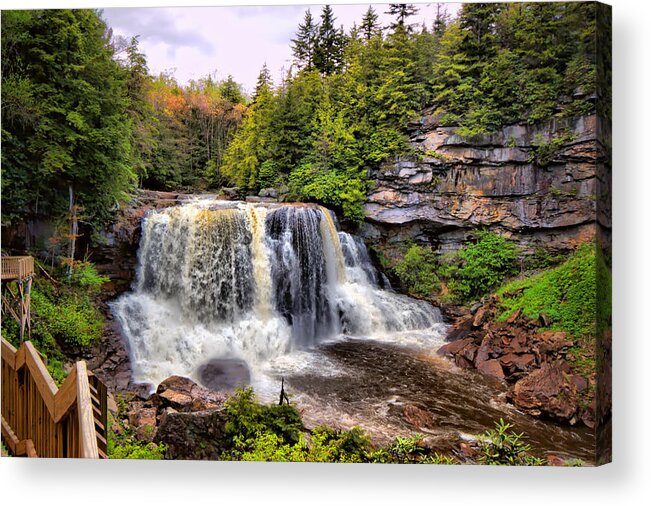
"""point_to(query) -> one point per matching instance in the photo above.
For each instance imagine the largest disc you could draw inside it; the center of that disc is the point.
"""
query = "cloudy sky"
(192, 42)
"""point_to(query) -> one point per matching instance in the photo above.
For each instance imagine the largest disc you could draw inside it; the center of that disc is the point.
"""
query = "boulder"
(231, 193)
(514, 316)
(461, 328)
(480, 316)
(453, 348)
(193, 436)
(548, 392)
(183, 394)
(517, 362)
(143, 420)
(552, 341)
(418, 417)
(225, 374)
(491, 368)
(544, 320)
(268, 192)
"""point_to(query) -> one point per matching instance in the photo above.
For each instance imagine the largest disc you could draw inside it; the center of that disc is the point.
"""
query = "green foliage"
(502, 448)
(542, 259)
(67, 317)
(248, 420)
(62, 316)
(66, 108)
(275, 433)
(325, 445)
(544, 152)
(417, 271)
(122, 444)
(569, 294)
(84, 275)
(505, 63)
(484, 265)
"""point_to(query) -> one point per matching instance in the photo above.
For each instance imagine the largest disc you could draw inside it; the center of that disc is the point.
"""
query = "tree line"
(343, 106)
(80, 110)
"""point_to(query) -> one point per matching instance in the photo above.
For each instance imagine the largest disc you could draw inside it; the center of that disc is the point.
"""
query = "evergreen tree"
(303, 44)
(231, 91)
(251, 146)
(263, 83)
(441, 21)
(370, 26)
(138, 84)
(329, 44)
(66, 123)
(402, 12)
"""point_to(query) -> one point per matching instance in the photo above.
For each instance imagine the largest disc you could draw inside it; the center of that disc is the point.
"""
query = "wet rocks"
(520, 353)
(491, 368)
(546, 390)
(418, 417)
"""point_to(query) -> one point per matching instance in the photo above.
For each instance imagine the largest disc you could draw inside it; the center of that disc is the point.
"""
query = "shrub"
(248, 420)
(343, 191)
(417, 271)
(484, 265)
(502, 448)
(567, 294)
(325, 445)
(122, 444)
(69, 319)
(84, 275)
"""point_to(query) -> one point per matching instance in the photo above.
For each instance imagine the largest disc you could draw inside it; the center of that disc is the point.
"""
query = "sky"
(193, 42)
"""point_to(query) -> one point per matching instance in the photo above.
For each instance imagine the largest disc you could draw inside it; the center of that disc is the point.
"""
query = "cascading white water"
(253, 282)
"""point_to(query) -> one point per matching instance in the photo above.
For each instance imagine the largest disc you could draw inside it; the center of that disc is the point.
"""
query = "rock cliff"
(535, 184)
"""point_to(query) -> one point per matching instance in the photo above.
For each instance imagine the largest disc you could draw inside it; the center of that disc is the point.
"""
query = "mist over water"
(260, 283)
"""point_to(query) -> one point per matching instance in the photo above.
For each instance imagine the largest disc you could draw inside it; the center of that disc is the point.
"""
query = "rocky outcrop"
(193, 436)
(534, 184)
(185, 416)
(533, 360)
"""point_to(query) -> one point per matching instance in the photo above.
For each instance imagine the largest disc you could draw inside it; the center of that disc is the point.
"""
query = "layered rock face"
(536, 185)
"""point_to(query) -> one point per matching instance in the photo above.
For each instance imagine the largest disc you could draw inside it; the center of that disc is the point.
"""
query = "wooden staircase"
(41, 420)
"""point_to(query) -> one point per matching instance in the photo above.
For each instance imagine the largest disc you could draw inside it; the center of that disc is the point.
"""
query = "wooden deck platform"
(17, 268)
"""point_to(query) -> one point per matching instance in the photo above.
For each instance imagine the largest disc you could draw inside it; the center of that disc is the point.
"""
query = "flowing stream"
(278, 290)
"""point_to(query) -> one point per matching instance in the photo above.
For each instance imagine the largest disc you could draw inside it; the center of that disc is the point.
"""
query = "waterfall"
(253, 282)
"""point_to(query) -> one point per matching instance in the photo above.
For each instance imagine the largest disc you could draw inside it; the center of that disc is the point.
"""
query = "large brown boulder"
(491, 368)
(183, 394)
(546, 392)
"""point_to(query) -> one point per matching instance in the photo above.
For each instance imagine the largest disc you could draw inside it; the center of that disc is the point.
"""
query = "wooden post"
(87, 434)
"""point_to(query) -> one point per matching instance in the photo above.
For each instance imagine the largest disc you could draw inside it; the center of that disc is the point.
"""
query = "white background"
(627, 481)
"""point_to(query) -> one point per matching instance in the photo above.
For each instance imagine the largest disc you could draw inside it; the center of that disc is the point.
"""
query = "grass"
(576, 295)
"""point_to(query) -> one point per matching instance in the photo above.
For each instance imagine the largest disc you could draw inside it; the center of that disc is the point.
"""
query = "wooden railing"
(41, 420)
(17, 267)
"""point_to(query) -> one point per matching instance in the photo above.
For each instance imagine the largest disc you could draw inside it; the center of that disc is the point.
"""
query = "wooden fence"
(41, 420)
(17, 267)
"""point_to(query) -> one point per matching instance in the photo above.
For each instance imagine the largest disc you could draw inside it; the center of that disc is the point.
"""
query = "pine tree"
(370, 26)
(329, 44)
(74, 129)
(441, 21)
(402, 12)
(303, 44)
(263, 84)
